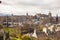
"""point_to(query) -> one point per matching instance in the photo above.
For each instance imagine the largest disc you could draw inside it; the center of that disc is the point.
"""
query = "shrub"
(1, 27)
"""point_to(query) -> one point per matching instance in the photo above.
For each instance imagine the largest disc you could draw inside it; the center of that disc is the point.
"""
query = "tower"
(27, 18)
(50, 14)
(12, 19)
(57, 19)
(50, 17)
(7, 24)
(26, 14)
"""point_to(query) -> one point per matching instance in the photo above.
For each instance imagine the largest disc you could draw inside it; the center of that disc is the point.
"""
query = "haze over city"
(21, 7)
(29, 19)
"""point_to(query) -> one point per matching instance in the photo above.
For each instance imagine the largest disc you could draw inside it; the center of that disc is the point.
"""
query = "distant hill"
(3, 14)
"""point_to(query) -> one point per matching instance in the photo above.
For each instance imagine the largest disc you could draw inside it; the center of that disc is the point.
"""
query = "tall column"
(7, 21)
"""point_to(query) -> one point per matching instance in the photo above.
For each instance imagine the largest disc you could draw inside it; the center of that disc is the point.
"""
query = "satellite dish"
(0, 1)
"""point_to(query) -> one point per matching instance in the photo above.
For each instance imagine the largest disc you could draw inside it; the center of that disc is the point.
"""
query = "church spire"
(50, 14)
(50, 17)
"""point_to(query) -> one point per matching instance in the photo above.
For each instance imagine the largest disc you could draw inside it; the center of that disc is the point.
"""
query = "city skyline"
(21, 7)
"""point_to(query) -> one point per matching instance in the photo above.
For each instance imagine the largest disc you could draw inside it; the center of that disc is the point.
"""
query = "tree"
(40, 27)
(1, 27)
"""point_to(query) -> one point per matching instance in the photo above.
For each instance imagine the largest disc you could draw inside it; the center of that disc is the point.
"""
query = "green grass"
(14, 38)
(11, 30)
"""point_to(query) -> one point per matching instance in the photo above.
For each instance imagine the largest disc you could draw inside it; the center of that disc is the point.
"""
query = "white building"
(34, 34)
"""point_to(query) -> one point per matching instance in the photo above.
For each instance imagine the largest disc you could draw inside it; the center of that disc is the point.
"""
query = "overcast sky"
(21, 7)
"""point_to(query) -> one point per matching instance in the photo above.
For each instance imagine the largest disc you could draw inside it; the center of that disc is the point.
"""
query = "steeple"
(50, 17)
(49, 14)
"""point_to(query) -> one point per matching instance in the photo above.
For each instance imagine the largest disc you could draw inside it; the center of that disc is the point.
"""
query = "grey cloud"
(34, 5)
